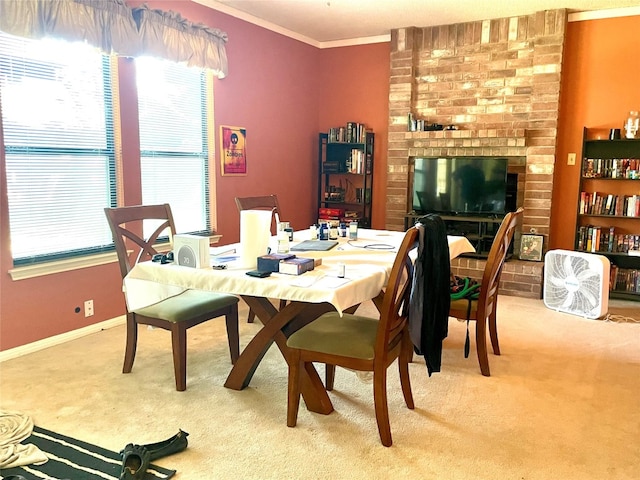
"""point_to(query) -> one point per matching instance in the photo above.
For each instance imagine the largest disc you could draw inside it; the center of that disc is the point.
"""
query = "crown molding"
(600, 14)
(355, 41)
(213, 4)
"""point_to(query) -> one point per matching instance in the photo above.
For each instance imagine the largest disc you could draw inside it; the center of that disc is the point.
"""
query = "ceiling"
(328, 23)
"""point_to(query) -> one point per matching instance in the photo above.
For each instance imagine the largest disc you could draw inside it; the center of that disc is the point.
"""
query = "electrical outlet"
(88, 308)
(571, 159)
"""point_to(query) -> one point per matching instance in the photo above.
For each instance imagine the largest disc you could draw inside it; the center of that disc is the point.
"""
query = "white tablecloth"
(368, 262)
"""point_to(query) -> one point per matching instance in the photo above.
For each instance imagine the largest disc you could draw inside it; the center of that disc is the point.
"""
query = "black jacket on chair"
(430, 300)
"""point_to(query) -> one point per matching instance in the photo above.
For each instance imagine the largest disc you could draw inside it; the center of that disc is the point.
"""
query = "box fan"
(576, 283)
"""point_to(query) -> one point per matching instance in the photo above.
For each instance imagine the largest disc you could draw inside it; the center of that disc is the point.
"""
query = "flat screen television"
(460, 185)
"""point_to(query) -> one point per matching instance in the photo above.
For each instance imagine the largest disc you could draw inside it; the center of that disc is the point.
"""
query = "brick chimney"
(498, 82)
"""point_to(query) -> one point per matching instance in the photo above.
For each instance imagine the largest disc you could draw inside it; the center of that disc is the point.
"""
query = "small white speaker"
(191, 251)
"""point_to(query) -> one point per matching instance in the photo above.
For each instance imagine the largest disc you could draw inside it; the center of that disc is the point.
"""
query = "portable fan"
(576, 283)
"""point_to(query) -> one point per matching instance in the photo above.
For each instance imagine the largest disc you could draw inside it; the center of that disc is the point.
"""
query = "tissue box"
(191, 250)
(296, 265)
(271, 262)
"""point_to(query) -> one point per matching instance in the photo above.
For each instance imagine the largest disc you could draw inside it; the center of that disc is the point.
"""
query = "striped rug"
(75, 460)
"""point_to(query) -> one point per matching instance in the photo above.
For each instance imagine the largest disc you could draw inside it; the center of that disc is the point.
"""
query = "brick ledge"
(519, 277)
(505, 133)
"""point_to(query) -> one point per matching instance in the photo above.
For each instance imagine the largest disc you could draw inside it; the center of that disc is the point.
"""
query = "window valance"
(168, 35)
(114, 27)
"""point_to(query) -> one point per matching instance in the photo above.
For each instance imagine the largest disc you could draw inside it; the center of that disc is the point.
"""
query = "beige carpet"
(563, 402)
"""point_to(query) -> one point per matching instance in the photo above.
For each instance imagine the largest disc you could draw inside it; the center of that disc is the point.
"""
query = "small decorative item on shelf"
(412, 124)
(422, 125)
(632, 125)
(531, 247)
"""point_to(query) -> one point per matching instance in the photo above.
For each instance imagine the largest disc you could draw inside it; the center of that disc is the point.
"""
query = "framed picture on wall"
(233, 150)
(531, 247)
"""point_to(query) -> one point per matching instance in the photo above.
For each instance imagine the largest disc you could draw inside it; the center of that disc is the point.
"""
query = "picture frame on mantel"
(531, 247)
(233, 150)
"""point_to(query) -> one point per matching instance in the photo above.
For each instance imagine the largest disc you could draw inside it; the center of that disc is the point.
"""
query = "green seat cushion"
(350, 335)
(463, 304)
(187, 305)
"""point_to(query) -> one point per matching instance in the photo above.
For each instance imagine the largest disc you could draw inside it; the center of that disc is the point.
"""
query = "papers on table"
(319, 281)
(223, 254)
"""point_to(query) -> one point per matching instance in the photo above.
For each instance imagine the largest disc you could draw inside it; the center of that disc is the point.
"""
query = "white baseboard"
(62, 338)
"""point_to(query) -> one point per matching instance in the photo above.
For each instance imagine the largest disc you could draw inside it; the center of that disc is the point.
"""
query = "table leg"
(274, 321)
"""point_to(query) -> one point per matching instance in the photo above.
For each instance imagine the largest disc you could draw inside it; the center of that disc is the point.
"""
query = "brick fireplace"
(498, 82)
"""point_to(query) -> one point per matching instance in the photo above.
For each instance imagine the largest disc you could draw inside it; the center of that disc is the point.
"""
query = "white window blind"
(58, 134)
(173, 140)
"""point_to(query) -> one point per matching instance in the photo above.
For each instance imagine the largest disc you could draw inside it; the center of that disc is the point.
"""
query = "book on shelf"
(611, 240)
(633, 206)
(608, 204)
(619, 205)
(613, 275)
(595, 240)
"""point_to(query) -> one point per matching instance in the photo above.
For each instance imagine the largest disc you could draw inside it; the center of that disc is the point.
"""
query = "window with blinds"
(173, 140)
(58, 135)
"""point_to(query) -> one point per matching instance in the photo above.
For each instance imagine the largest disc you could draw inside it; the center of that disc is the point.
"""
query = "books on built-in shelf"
(595, 203)
(624, 279)
(594, 239)
(611, 167)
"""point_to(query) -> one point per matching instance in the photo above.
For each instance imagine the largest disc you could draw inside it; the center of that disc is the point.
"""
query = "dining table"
(354, 271)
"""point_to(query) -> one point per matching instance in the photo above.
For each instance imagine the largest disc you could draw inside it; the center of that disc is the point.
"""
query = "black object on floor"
(74, 459)
(167, 447)
(135, 461)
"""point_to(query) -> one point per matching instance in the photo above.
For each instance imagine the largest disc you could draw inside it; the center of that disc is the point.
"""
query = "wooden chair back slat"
(495, 262)
(126, 225)
(394, 310)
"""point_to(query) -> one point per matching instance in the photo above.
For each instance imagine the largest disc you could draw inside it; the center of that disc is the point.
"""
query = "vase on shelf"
(632, 125)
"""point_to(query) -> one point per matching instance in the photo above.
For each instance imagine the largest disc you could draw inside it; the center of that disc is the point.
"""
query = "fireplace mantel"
(513, 134)
(505, 142)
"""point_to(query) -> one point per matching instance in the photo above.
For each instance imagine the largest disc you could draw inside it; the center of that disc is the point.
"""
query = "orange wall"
(284, 92)
(354, 86)
(600, 84)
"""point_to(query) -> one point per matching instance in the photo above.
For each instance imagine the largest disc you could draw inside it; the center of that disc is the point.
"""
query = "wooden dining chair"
(483, 309)
(362, 343)
(265, 202)
(177, 313)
